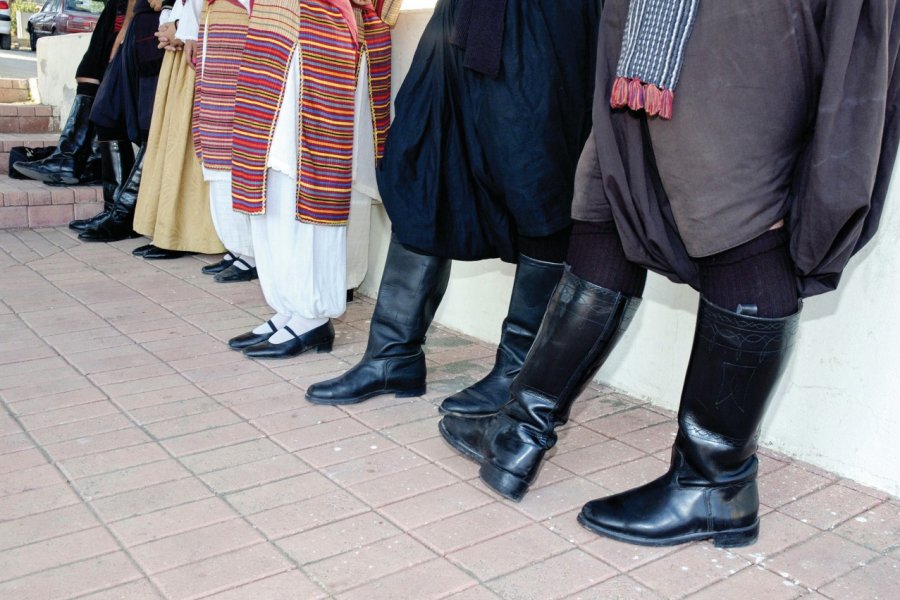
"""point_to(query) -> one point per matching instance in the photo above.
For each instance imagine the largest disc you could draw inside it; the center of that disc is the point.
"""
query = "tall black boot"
(66, 164)
(710, 489)
(93, 165)
(118, 223)
(583, 324)
(411, 290)
(532, 288)
(118, 160)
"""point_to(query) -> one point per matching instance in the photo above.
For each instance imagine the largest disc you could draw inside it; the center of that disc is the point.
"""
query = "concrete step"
(14, 90)
(31, 140)
(27, 118)
(26, 203)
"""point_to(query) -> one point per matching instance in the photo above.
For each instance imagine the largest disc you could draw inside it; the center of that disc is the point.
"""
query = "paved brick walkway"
(141, 458)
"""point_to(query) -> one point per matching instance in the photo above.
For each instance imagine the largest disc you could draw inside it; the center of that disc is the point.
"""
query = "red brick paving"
(141, 459)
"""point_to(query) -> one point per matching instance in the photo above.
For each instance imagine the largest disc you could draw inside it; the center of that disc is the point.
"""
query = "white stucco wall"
(838, 405)
(57, 59)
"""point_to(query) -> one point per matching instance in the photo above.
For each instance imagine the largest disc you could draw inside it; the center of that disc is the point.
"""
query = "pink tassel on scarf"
(619, 96)
(635, 95)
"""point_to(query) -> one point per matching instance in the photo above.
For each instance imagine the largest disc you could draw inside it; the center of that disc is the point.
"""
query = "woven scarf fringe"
(636, 95)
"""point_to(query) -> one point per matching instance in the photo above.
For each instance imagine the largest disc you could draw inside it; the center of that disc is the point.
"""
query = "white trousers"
(302, 267)
(232, 227)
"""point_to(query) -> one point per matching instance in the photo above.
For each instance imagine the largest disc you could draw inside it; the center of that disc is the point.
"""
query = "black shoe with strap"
(218, 267)
(157, 253)
(245, 340)
(412, 287)
(233, 273)
(534, 284)
(321, 339)
(710, 490)
(583, 324)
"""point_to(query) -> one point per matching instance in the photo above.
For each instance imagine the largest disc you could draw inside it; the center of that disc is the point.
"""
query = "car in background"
(63, 16)
(5, 25)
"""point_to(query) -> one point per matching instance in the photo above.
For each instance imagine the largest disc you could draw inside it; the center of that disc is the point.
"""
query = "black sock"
(547, 248)
(759, 272)
(596, 255)
(87, 89)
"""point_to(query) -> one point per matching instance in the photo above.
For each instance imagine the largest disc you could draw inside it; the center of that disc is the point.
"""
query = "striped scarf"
(656, 34)
(329, 62)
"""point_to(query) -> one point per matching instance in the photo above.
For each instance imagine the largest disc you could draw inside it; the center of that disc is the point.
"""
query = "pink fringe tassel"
(636, 95)
(619, 96)
(652, 99)
(668, 100)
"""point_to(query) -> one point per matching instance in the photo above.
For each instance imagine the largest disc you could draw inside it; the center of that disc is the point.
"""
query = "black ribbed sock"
(759, 272)
(547, 248)
(596, 255)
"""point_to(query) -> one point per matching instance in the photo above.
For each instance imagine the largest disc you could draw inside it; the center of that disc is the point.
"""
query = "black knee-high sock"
(596, 255)
(759, 272)
(548, 248)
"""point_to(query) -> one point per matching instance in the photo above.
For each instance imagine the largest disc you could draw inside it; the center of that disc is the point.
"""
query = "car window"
(51, 6)
(94, 7)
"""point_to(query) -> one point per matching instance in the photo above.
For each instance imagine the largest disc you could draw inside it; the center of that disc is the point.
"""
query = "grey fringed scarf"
(656, 34)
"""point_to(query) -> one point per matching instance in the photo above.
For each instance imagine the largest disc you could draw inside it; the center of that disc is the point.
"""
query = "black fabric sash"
(478, 29)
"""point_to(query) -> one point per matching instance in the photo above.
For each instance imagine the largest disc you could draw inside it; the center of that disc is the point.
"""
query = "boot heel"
(737, 537)
(413, 393)
(506, 484)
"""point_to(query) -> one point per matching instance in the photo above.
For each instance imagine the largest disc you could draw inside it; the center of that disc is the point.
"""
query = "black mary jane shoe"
(234, 273)
(156, 253)
(220, 266)
(245, 340)
(141, 250)
(321, 338)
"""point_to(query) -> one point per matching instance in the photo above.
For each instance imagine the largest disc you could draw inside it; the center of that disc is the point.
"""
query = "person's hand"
(190, 53)
(167, 39)
(120, 39)
(156, 5)
(165, 34)
(176, 45)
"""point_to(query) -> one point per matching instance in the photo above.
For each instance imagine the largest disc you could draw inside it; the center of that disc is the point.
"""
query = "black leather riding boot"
(710, 489)
(66, 164)
(532, 288)
(118, 160)
(583, 324)
(411, 290)
(117, 224)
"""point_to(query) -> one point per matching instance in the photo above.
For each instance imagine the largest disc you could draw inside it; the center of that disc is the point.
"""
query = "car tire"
(5, 42)
(32, 39)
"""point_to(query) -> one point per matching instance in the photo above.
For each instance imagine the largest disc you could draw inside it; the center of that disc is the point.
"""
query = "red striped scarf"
(329, 60)
(214, 96)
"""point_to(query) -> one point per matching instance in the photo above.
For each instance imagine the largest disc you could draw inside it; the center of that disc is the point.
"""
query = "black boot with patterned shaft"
(710, 490)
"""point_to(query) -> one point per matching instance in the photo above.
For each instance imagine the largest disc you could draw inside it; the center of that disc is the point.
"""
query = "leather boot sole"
(410, 393)
(731, 538)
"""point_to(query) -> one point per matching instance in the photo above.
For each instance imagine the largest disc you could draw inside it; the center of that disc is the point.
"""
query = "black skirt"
(124, 103)
(471, 161)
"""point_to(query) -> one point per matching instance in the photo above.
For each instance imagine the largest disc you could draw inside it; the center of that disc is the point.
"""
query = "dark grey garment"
(784, 110)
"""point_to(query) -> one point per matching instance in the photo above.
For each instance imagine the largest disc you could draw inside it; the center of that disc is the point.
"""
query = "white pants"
(232, 227)
(302, 267)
